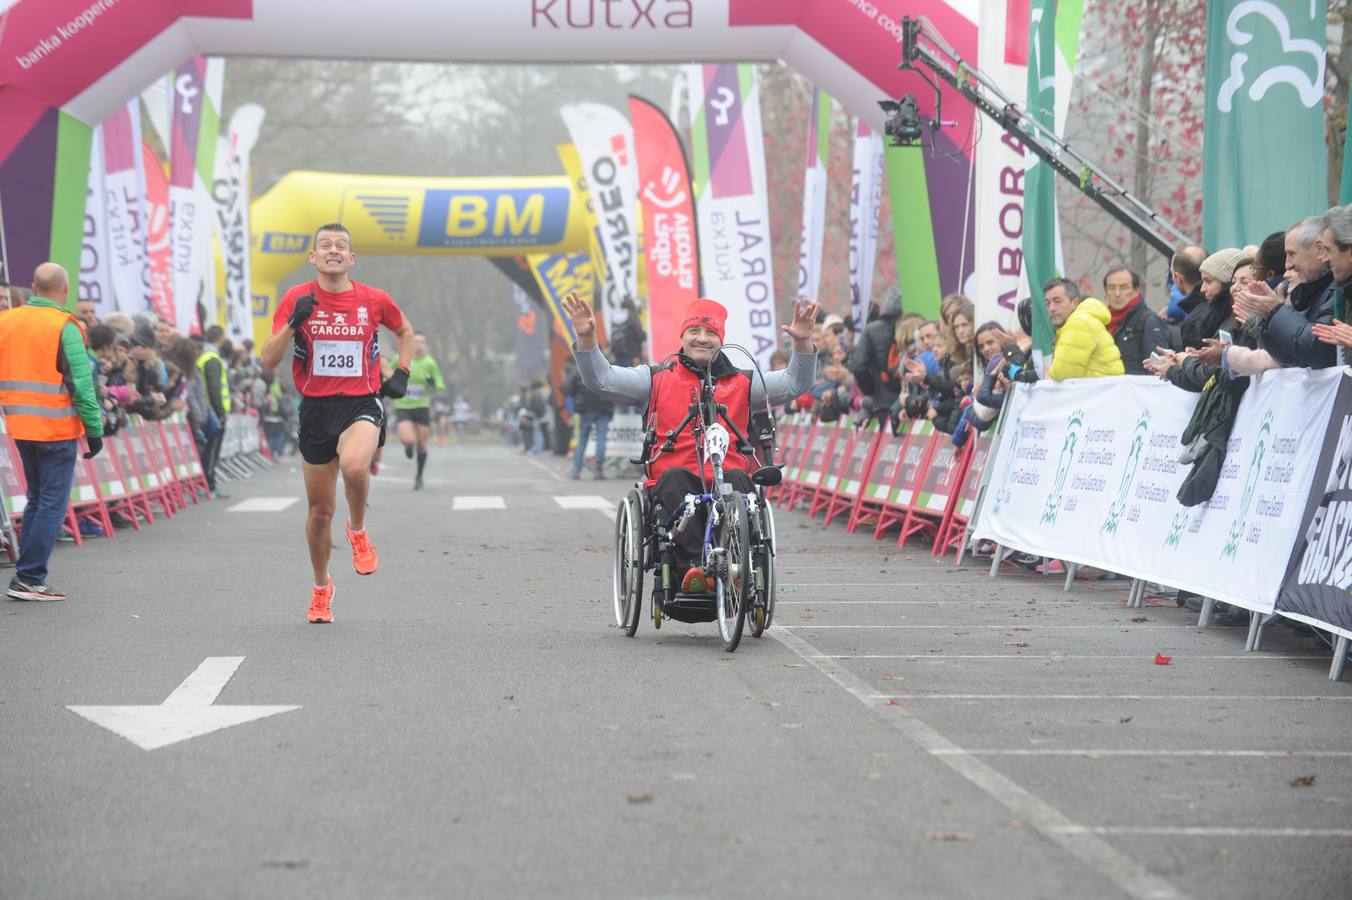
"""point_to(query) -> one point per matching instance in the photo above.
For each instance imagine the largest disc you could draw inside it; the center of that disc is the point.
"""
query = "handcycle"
(738, 548)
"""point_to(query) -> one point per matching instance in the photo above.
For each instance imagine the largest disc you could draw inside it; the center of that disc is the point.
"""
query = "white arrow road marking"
(186, 713)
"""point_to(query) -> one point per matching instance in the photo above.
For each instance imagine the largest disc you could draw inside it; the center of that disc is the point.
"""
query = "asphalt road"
(474, 725)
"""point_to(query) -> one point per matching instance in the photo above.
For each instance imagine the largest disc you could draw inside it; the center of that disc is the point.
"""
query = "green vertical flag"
(1264, 107)
(913, 230)
(1039, 199)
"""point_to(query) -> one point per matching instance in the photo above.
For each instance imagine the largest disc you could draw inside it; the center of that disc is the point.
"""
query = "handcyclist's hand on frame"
(584, 321)
(804, 318)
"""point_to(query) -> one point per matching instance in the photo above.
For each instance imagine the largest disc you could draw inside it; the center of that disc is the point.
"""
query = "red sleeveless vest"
(674, 388)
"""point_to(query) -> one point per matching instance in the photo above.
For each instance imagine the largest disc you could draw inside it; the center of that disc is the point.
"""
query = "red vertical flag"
(158, 247)
(671, 252)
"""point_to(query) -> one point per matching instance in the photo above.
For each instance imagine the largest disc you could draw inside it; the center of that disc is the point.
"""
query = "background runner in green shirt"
(413, 409)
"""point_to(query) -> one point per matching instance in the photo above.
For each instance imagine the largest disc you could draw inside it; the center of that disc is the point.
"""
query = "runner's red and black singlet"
(337, 353)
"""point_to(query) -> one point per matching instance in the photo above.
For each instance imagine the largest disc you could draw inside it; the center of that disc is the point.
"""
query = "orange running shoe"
(363, 554)
(320, 611)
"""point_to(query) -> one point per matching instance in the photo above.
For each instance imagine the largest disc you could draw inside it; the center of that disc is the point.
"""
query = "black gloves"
(95, 446)
(396, 385)
(304, 306)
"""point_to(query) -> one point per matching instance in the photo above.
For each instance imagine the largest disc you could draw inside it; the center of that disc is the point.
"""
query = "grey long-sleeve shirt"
(631, 384)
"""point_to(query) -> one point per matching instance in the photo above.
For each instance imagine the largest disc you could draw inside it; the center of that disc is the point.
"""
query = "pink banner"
(157, 236)
(668, 223)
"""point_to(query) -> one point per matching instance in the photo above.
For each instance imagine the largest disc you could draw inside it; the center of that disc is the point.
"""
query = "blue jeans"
(586, 422)
(49, 467)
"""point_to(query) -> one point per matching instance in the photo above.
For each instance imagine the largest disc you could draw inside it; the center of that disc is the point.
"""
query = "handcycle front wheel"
(734, 585)
(628, 590)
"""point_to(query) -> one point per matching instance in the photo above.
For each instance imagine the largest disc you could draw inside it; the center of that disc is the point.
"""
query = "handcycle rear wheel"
(628, 589)
(734, 585)
(763, 613)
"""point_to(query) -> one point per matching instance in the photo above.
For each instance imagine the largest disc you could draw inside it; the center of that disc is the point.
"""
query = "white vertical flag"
(124, 185)
(231, 192)
(814, 196)
(605, 141)
(731, 203)
(95, 276)
(866, 198)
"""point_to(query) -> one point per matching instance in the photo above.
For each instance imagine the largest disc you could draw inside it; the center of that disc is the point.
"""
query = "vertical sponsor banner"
(95, 277)
(159, 253)
(124, 185)
(230, 190)
(866, 199)
(208, 143)
(1003, 57)
(1088, 471)
(731, 203)
(671, 248)
(814, 195)
(187, 213)
(913, 230)
(1039, 218)
(572, 166)
(558, 274)
(532, 333)
(1318, 585)
(1264, 101)
(605, 141)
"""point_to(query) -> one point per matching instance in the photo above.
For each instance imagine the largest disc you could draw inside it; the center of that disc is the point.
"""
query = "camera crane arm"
(1124, 206)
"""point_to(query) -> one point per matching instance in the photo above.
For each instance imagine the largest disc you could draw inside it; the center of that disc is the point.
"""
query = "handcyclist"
(332, 323)
(414, 408)
(668, 389)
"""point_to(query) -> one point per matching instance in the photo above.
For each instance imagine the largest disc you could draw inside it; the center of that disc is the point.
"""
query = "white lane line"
(463, 504)
(544, 468)
(1090, 849)
(1283, 698)
(1097, 753)
(586, 501)
(1204, 831)
(1256, 657)
(952, 600)
(1010, 627)
(206, 682)
(263, 504)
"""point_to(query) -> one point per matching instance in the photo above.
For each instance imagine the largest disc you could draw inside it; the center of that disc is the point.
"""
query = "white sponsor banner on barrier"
(1088, 471)
(624, 439)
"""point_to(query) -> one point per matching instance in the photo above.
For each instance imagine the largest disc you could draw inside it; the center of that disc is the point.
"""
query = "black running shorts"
(324, 419)
(416, 416)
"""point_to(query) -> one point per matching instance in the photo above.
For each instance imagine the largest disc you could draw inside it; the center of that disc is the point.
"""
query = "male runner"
(333, 324)
(414, 408)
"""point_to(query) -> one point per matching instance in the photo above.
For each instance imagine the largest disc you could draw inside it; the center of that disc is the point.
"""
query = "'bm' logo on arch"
(486, 218)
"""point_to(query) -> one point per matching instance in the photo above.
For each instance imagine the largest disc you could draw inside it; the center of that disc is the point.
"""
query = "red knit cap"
(708, 313)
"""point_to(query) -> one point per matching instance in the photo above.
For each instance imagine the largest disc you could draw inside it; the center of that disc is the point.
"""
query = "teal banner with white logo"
(1264, 159)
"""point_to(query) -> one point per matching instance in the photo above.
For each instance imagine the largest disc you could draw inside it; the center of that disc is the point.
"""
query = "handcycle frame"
(742, 568)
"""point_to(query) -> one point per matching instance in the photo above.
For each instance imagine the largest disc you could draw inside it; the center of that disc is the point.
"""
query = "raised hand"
(804, 318)
(584, 322)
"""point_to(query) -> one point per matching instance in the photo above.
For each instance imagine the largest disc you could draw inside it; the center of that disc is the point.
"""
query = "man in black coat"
(874, 377)
(1287, 332)
(1135, 328)
(593, 412)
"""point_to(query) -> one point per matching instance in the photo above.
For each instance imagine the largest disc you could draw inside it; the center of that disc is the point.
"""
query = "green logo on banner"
(1119, 506)
(1250, 488)
(1175, 535)
(1073, 427)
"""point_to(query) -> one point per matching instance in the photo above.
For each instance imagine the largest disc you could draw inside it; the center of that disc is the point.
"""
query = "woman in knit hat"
(1216, 314)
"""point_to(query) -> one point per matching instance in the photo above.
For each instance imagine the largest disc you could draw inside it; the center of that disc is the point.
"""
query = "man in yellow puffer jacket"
(1084, 346)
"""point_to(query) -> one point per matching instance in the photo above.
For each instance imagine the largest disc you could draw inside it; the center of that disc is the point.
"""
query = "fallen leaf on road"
(893, 703)
(639, 798)
(1137, 620)
(793, 665)
(285, 863)
(1124, 721)
(887, 678)
(947, 836)
(1162, 660)
(1303, 781)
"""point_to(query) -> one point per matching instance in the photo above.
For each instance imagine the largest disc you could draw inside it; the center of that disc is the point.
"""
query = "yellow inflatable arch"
(396, 215)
